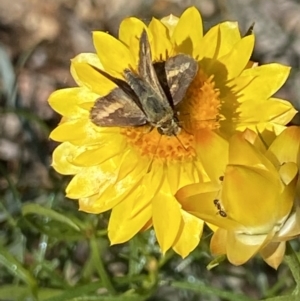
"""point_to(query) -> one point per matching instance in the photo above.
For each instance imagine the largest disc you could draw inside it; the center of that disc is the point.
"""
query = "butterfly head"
(169, 127)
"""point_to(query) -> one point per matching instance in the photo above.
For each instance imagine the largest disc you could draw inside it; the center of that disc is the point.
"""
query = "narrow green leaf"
(76, 292)
(293, 262)
(131, 297)
(283, 298)
(7, 73)
(207, 290)
(215, 262)
(16, 268)
(32, 208)
(17, 292)
(96, 258)
(14, 292)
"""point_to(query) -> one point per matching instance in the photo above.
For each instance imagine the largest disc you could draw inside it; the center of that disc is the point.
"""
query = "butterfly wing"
(146, 86)
(145, 67)
(180, 71)
(117, 109)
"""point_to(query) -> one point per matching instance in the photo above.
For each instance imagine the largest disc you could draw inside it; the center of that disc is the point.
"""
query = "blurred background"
(47, 247)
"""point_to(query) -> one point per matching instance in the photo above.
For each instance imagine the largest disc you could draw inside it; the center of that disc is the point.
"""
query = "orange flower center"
(198, 110)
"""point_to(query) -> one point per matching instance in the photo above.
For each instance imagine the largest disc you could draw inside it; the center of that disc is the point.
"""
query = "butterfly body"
(155, 105)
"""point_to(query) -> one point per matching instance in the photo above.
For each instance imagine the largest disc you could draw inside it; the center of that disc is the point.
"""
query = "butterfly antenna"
(180, 142)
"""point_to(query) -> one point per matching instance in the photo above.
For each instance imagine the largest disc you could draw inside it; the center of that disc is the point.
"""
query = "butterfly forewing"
(146, 86)
(145, 66)
(181, 71)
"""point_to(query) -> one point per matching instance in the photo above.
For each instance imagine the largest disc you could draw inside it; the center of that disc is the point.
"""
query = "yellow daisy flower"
(252, 209)
(136, 171)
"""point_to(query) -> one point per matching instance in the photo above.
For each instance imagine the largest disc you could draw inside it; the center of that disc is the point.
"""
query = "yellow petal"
(290, 138)
(166, 218)
(78, 132)
(268, 79)
(109, 50)
(198, 199)
(255, 140)
(128, 218)
(218, 242)
(67, 101)
(291, 227)
(161, 45)
(126, 181)
(219, 40)
(238, 84)
(288, 172)
(273, 254)
(87, 58)
(196, 189)
(131, 28)
(180, 175)
(238, 252)
(106, 197)
(275, 111)
(113, 180)
(129, 33)
(190, 234)
(62, 157)
(170, 22)
(247, 204)
(212, 151)
(92, 79)
(241, 152)
(237, 59)
(89, 181)
(233, 63)
(188, 32)
(95, 154)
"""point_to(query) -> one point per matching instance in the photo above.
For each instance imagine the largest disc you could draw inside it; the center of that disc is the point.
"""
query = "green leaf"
(32, 208)
(7, 74)
(207, 290)
(16, 268)
(215, 262)
(19, 292)
(76, 292)
(293, 262)
(14, 292)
